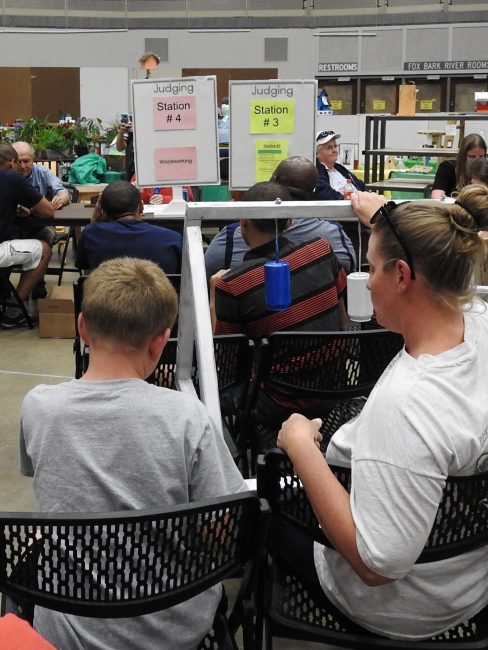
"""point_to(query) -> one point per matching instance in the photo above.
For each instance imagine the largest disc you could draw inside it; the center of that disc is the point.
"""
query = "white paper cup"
(359, 305)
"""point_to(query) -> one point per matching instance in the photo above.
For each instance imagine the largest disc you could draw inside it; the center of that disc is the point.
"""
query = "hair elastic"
(466, 209)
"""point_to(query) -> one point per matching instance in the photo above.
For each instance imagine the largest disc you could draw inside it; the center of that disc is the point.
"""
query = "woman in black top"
(451, 174)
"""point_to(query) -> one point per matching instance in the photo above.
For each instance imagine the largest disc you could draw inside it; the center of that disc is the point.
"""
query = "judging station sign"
(270, 121)
(175, 131)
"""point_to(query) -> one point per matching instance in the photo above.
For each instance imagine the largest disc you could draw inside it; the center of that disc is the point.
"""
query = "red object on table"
(16, 634)
(166, 193)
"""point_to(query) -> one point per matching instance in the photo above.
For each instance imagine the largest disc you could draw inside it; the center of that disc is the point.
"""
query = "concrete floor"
(26, 361)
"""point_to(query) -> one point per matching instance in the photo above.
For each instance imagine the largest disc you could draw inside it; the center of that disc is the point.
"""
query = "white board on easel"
(175, 131)
(269, 121)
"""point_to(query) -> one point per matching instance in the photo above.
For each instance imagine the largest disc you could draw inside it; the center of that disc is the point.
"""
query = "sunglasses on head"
(385, 212)
(325, 134)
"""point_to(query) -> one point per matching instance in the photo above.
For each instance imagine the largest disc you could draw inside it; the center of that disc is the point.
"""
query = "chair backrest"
(461, 522)
(73, 192)
(327, 365)
(79, 350)
(233, 355)
(128, 563)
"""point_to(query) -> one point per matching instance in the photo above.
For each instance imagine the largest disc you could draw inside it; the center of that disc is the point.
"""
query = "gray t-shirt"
(426, 419)
(116, 445)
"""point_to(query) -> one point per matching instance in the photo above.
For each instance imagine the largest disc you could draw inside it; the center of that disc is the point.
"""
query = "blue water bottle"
(277, 285)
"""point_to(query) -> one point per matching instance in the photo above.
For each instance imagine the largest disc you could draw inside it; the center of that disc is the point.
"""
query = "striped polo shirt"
(318, 282)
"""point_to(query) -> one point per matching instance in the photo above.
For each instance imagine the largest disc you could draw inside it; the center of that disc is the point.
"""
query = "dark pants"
(33, 228)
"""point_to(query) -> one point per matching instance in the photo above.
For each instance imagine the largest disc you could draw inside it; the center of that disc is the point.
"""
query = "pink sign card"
(174, 112)
(175, 163)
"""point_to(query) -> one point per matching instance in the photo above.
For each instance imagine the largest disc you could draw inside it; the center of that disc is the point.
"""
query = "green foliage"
(7, 135)
(50, 138)
(43, 134)
(111, 131)
(31, 128)
(87, 131)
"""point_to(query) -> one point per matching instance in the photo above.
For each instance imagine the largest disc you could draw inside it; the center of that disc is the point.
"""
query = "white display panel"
(269, 120)
(175, 131)
(106, 106)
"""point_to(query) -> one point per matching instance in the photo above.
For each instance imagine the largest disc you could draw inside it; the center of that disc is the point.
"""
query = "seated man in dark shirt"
(118, 231)
(237, 297)
(238, 304)
(31, 254)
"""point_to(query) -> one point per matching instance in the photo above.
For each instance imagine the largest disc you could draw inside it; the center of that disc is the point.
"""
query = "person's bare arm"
(343, 315)
(298, 436)
(365, 205)
(43, 209)
(213, 281)
(437, 194)
(120, 143)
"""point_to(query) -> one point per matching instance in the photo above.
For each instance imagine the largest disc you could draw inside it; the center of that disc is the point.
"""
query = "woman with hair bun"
(479, 170)
(425, 420)
(452, 174)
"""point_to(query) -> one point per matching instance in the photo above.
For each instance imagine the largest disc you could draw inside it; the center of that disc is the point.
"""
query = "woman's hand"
(365, 205)
(297, 431)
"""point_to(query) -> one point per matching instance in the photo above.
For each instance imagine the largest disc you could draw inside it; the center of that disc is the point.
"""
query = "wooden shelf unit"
(375, 151)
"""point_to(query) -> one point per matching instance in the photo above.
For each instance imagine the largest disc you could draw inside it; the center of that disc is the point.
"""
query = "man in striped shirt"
(238, 303)
(318, 281)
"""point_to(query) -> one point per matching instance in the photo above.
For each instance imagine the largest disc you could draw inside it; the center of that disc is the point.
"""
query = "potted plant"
(52, 141)
(86, 133)
(30, 128)
(111, 132)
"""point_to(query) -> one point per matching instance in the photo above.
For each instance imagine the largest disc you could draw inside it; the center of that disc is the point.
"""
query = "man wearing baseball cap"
(333, 177)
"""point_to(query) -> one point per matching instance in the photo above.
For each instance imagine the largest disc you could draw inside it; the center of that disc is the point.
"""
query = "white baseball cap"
(326, 136)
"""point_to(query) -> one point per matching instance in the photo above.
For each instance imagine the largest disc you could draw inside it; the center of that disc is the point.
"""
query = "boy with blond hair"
(109, 441)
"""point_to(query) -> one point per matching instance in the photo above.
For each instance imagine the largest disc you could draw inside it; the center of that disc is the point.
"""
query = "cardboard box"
(407, 97)
(481, 102)
(57, 314)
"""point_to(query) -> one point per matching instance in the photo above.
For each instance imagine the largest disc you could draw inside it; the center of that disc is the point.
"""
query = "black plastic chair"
(125, 564)
(9, 296)
(321, 374)
(292, 611)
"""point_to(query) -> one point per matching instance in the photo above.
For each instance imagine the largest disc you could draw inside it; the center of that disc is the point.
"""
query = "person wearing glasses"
(334, 179)
(452, 175)
(426, 419)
